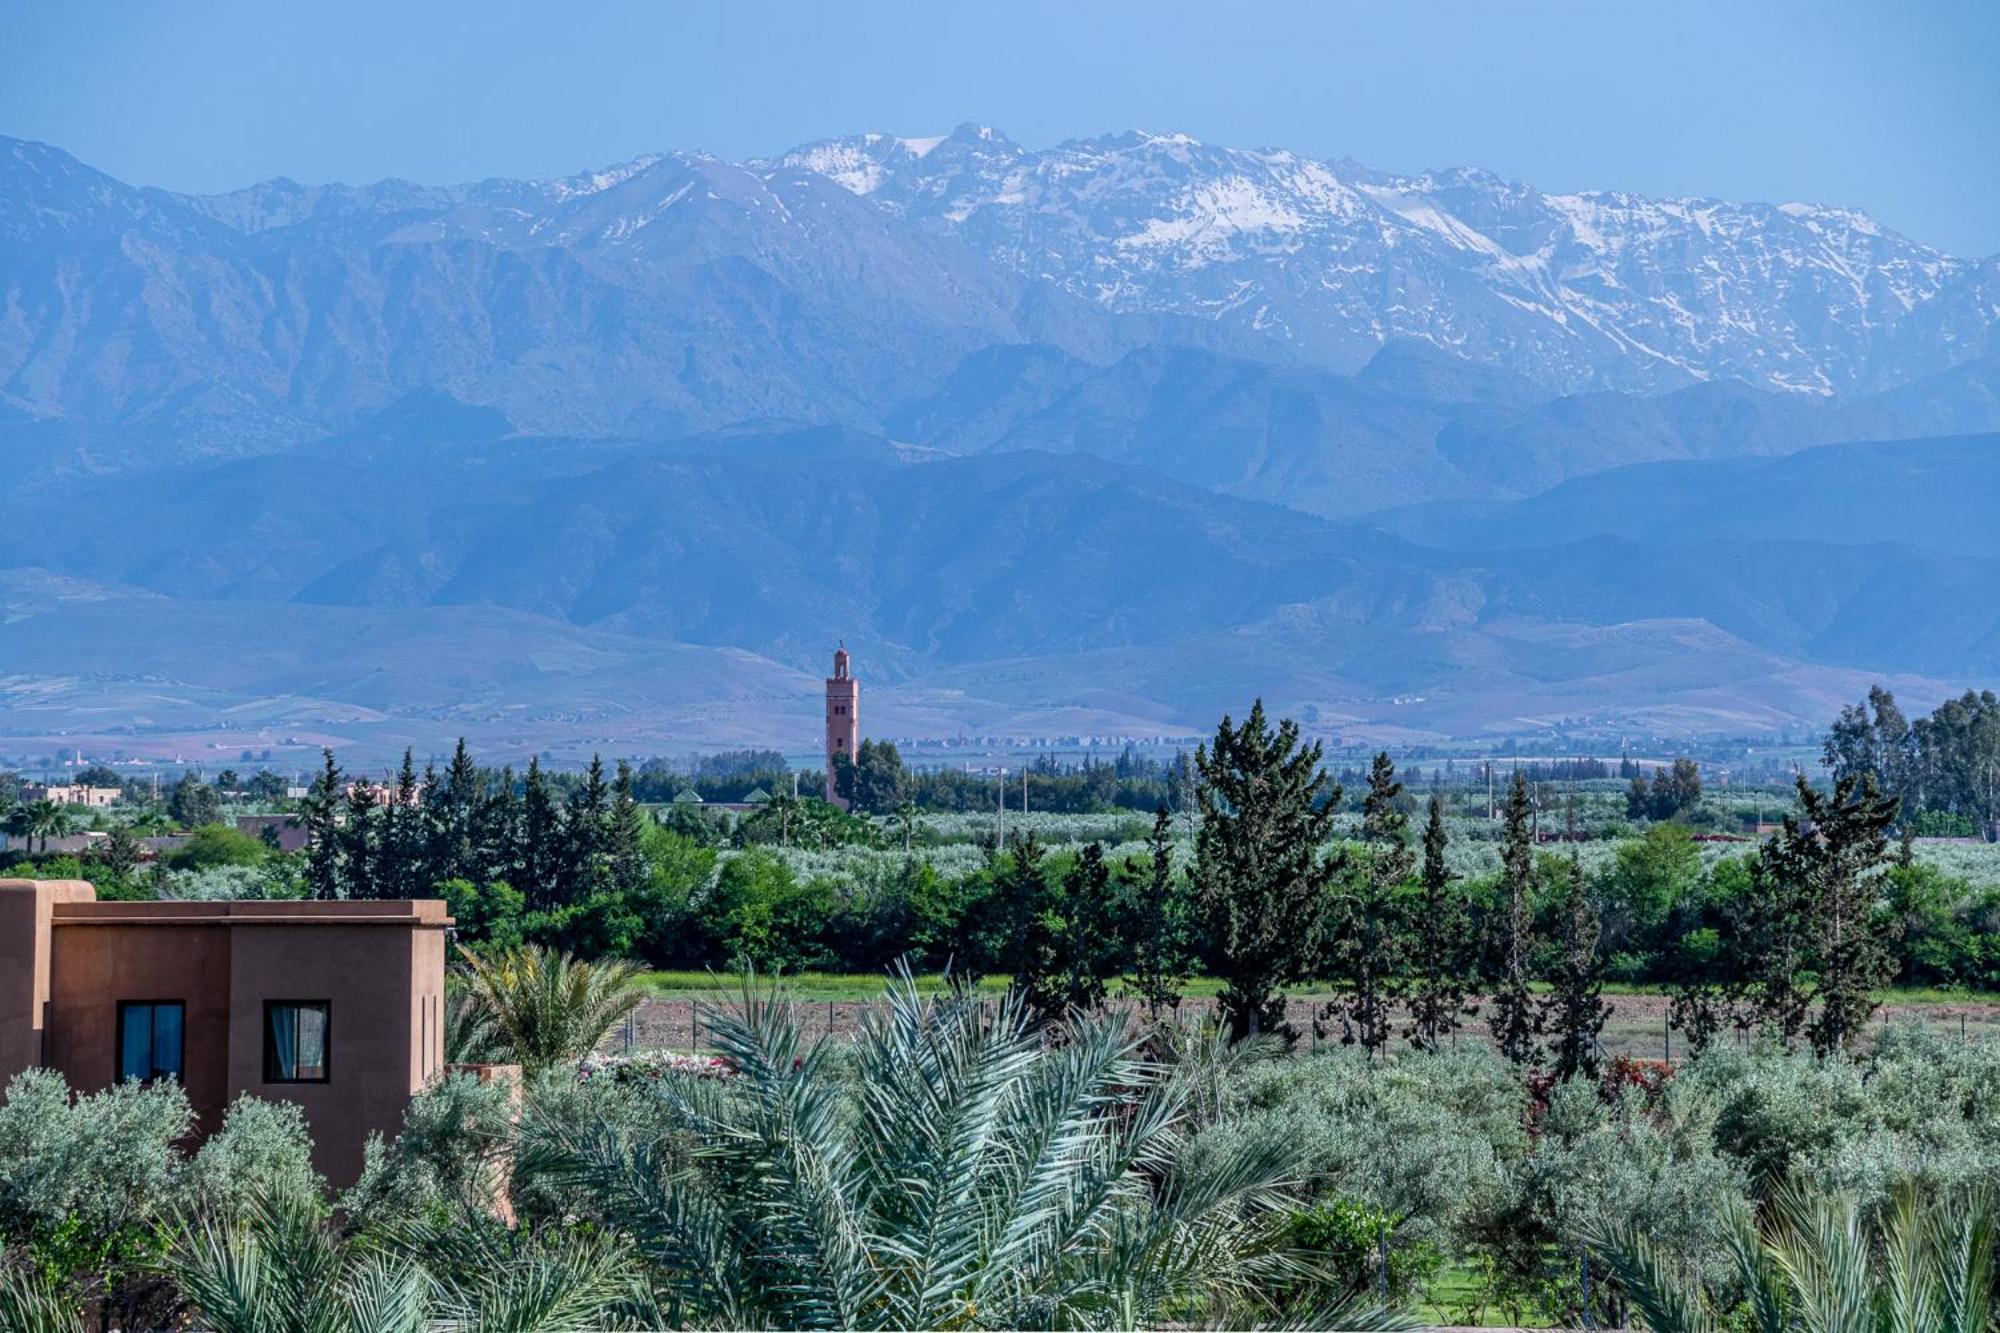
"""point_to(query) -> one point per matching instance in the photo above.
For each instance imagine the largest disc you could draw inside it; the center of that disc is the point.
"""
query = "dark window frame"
(271, 1074)
(152, 1040)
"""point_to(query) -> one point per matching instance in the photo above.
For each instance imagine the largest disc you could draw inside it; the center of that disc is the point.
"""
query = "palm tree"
(904, 821)
(546, 1007)
(950, 1171)
(286, 1271)
(1814, 1267)
(39, 820)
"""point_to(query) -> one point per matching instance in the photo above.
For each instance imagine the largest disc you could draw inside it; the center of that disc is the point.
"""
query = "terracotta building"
(843, 720)
(337, 1006)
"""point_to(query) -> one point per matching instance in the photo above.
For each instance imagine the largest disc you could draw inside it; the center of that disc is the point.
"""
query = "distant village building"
(843, 721)
(71, 794)
(378, 793)
(284, 833)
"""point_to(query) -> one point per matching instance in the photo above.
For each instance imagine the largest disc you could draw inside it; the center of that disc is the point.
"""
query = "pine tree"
(404, 837)
(361, 841)
(628, 834)
(587, 859)
(1086, 941)
(1157, 922)
(1017, 940)
(1441, 945)
(542, 854)
(453, 840)
(1516, 1022)
(321, 809)
(1828, 867)
(1260, 864)
(1368, 939)
(1575, 1010)
(495, 852)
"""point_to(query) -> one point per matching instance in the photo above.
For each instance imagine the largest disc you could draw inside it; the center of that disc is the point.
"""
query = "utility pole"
(1024, 793)
(1000, 816)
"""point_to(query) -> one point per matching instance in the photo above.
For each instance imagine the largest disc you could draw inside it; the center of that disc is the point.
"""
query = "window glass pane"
(135, 1041)
(295, 1047)
(281, 1041)
(312, 1042)
(167, 1023)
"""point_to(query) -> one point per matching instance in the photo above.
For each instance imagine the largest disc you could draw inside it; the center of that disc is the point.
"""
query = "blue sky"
(1893, 108)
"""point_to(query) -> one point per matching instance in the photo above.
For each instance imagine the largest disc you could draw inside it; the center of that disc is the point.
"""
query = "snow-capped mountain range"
(1332, 259)
(849, 278)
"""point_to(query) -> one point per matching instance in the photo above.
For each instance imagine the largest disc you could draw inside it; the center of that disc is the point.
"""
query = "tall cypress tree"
(1368, 939)
(1575, 1010)
(543, 855)
(1516, 1020)
(1261, 865)
(1085, 936)
(361, 841)
(1822, 873)
(1441, 945)
(322, 821)
(628, 833)
(1016, 939)
(496, 845)
(1157, 922)
(402, 866)
(453, 853)
(587, 829)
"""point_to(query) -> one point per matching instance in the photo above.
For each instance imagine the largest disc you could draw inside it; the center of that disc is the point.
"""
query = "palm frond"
(30, 1303)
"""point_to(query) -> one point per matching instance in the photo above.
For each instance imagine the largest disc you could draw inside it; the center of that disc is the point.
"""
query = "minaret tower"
(843, 721)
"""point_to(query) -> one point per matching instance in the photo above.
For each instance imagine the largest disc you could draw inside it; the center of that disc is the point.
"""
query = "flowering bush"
(643, 1067)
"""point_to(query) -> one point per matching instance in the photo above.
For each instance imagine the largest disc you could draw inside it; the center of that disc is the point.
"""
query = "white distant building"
(70, 794)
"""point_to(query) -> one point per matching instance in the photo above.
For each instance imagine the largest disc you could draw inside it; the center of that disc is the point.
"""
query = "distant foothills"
(1091, 441)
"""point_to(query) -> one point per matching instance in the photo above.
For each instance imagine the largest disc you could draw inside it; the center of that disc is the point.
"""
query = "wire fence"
(1639, 1026)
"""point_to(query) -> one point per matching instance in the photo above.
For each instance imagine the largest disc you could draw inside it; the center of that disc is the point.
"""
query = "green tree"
(361, 840)
(193, 802)
(626, 834)
(876, 781)
(39, 821)
(1516, 1018)
(1015, 1184)
(547, 1007)
(321, 809)
(1367, 946)
(1086, 942)
(1159, 921)
(1442, 945)
(1261, 865)
(1574, 1011)
(218, 845)
(758, 914)
(1826, 868)
(542, 856)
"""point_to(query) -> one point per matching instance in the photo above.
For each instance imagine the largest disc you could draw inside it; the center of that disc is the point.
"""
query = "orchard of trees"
(1945, 768)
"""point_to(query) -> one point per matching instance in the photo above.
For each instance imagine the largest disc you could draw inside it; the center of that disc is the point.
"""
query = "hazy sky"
(1892, 106)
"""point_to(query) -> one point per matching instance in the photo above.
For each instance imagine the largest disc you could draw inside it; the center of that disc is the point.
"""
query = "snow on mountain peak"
(1582, 290)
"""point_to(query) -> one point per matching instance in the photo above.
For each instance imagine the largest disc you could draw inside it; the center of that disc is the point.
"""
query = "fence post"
(1667, 1034)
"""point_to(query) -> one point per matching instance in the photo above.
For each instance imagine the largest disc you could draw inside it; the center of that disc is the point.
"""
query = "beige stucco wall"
(26, 908)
